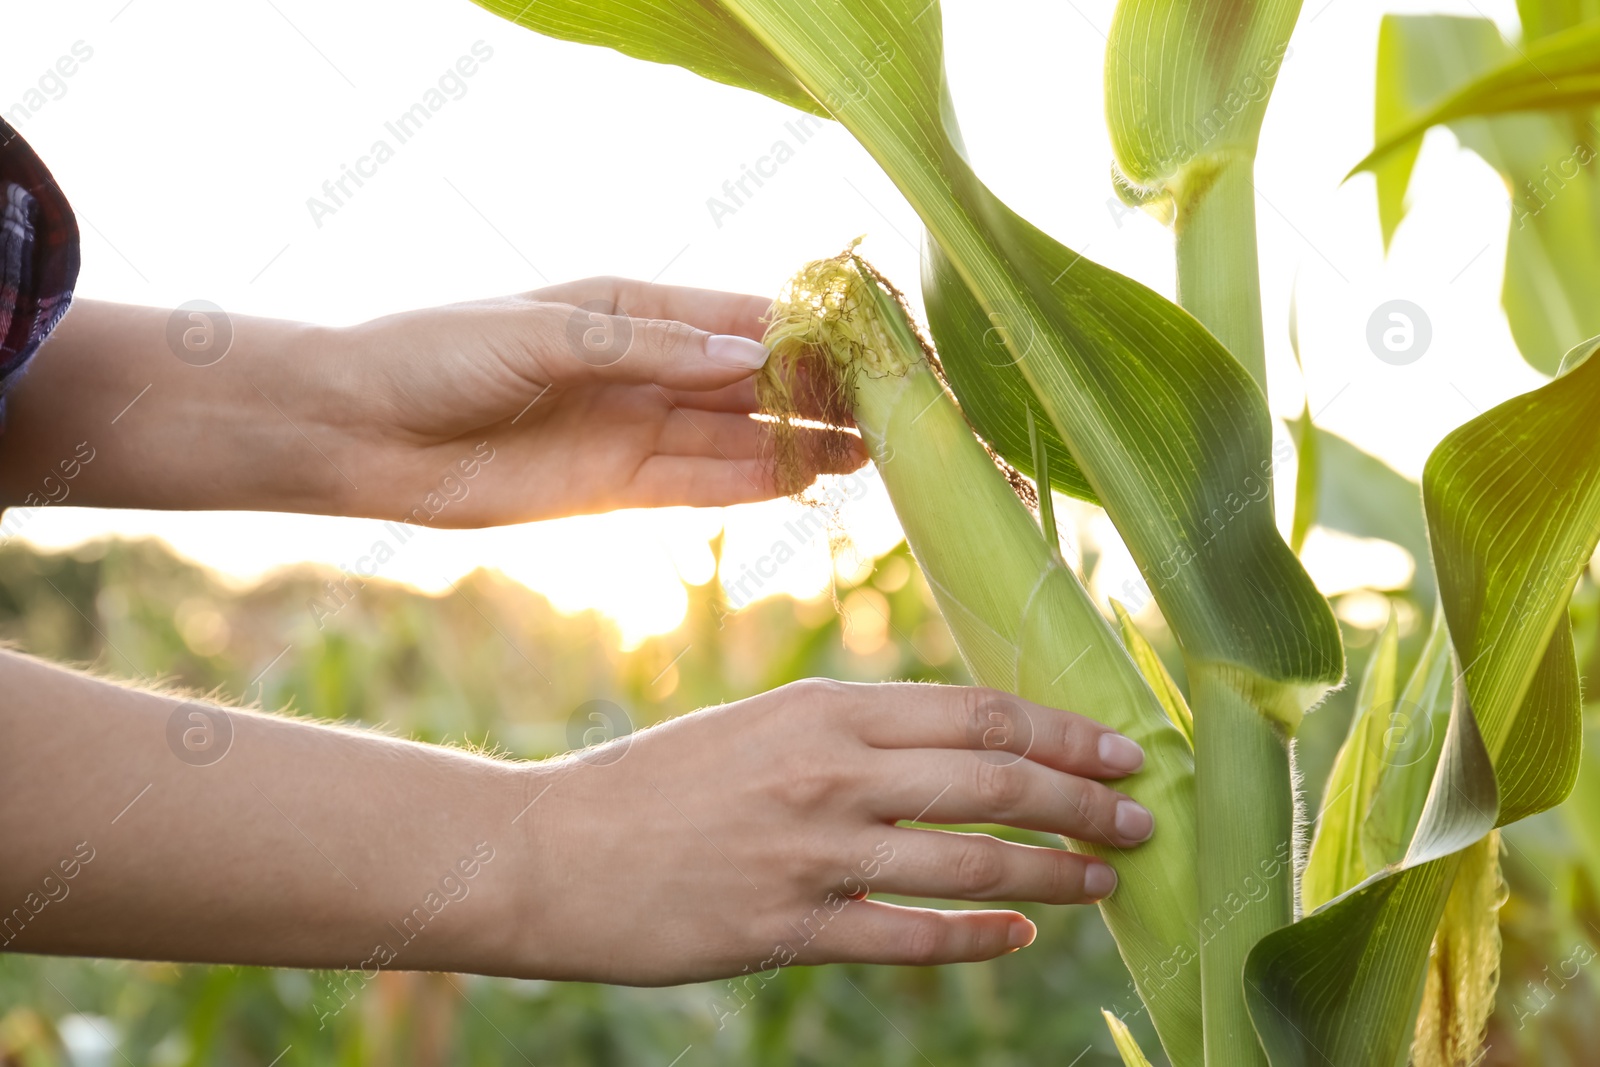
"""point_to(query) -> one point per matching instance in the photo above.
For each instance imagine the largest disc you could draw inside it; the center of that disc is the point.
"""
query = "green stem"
(1244, 790)
(1219, 276)
(1245, 825)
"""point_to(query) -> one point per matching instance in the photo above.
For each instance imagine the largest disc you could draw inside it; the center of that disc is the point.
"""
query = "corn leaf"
(1173, 436)
(706, 38)
(1187, 84)
(1541, 18)
(1513, 503)
(1412, 740)
(1308, 463)
(995, 394)
(1155, 673)
(1560, 72)
(1122, 1037)
(1548, 161)
(1307, 480)
(1338, 861)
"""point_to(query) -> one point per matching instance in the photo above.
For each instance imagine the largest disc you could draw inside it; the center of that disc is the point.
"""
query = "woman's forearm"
(144, 407)
(141, 826)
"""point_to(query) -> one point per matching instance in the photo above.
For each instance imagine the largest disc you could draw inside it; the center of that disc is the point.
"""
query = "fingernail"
(733, 351)
(1134, 822)
(1021, 933)
(1120, 753)
(1098, 881)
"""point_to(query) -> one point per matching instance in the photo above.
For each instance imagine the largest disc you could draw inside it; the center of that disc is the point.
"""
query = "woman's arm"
(583, 397)
(740, 837)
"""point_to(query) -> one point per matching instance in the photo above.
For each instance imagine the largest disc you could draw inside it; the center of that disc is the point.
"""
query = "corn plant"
(1091, 385)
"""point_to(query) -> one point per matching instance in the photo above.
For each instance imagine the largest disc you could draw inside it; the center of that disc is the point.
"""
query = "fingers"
(709, 310)
(619, 330)
(870, 931)
(740, 398)
(931, 785)
(701, 345)
(906, 715)
(696, 481)
(964, 866)
(688, 432)
(695, 432)
(585, 344)
(721, 467)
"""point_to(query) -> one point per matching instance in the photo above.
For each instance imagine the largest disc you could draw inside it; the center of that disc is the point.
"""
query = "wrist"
(241, 431)
(521, 941)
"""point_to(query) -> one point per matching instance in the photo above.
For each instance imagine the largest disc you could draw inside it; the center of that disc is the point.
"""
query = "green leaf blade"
(1556, 73)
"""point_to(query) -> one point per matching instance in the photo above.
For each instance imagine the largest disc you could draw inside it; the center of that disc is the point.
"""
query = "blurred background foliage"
(491, 665)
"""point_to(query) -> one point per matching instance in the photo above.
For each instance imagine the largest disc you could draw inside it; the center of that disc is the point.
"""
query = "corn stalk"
(1187, 84)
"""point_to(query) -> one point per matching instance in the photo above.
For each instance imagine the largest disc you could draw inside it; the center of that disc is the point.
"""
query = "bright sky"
(191, 139)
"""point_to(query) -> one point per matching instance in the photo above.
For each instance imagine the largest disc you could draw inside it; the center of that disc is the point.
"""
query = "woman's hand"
(745, 837)
(582, 397)
(590, 396)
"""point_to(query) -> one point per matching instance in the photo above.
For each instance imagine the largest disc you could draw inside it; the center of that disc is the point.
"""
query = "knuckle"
(822, 699)
(1097, 805)
(604, 287)
(925, 939)
(1063, 877)
(1078, 739)
(807, 786)
(670, 337)
(814, 692)
(979, 870)
(971, 714)
(992, 720)
(999, 787)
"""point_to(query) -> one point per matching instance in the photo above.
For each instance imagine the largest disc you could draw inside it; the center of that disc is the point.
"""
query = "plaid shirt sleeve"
(38, 256)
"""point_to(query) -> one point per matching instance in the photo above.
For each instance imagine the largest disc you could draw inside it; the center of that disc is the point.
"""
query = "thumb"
(612, 347)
